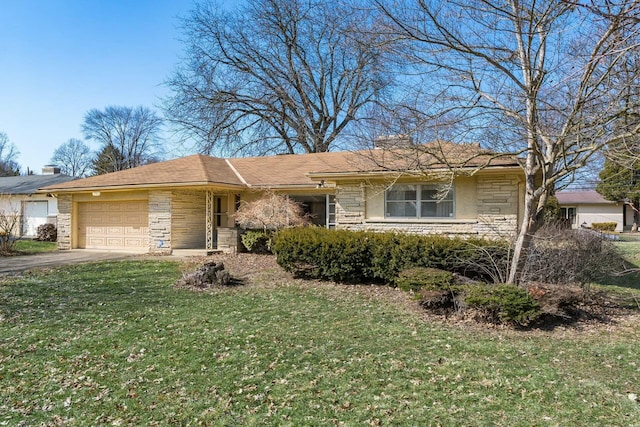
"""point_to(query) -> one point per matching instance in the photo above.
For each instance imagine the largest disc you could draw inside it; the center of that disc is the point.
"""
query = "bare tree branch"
(74, 158)
(276, 76)
(131, 134)
(541, 77)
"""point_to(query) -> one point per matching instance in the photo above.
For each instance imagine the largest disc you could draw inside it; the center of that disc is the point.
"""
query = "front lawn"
(29, 247)
(630, 251)
(115, 344)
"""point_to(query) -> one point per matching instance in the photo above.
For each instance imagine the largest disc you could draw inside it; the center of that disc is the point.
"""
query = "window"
(320, 209)
(569, 215)
(331, 211)
(418, 201)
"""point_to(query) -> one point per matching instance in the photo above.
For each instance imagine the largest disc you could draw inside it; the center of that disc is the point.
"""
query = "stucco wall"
(590, 213)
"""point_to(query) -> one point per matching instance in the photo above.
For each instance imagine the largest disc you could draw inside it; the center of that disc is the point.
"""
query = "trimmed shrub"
(503, 303)
(47, 233)
(257, 241)
(358, 256)
(604, 226)
(319, 253)
(431, 279)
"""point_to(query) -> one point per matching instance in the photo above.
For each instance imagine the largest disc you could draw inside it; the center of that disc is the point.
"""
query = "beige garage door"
(113, 225)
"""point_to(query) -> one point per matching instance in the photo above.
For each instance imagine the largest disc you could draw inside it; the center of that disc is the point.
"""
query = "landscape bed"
(116, 343)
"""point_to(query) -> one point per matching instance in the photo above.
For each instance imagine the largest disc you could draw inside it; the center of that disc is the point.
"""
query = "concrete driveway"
(14, 265)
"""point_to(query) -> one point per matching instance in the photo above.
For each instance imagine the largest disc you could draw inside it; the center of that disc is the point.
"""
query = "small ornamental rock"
(210, 274)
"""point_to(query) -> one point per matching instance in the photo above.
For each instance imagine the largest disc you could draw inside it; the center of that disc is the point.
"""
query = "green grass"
(114, 344)
(28, 246)
(630, 251)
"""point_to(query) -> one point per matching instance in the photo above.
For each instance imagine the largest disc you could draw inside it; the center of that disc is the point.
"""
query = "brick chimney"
(50, 170)
(393, 141)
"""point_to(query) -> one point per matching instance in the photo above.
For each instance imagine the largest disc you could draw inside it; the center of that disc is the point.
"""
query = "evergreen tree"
(108, 160)
(621, 183)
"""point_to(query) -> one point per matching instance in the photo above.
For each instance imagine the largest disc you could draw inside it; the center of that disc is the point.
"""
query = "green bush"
(418, 278)
(257, 241)
(504, 303)
(604, 226)
(320, 253)
(358, 256)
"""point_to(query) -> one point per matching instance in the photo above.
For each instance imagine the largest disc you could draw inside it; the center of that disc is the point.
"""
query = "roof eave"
(316, 176)
(141, 187)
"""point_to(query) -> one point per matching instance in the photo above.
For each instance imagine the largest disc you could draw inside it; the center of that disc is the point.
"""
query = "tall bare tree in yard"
(276, 76)
(131, 132)
(538, 78)
(74, 158)
(8, 155)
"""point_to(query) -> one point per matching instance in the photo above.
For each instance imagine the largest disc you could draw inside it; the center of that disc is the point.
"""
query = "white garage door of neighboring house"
(35, 214)
(114, 225)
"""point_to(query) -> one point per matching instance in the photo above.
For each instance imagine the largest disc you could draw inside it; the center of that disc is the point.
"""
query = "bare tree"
(538, 78)
(276, 76)
(9, 223)
(132, 132)
(270, 212)
(8, 155)
(74, 158)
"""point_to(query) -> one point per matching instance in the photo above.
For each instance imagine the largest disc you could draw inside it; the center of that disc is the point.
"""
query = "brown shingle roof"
(581, 197)
(191, 170)
(291, 170)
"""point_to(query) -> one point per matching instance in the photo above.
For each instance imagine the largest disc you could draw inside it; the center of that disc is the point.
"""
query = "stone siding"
(497, 199)
(497, 195)
(65, 209)
(160, 222)
(350, 205)
(228, 239)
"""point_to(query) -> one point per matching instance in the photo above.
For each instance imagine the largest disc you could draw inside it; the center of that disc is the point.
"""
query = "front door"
(217, 217)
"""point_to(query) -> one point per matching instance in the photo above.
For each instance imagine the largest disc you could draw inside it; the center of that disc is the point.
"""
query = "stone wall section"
(160, 222)
(228, 239)
(497, 195)
(497, 198)
(350, 205)
(65, 209)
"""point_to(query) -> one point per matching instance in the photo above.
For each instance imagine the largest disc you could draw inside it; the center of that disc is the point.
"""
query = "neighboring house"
(583, 208)
(189, 203)
(19, 197)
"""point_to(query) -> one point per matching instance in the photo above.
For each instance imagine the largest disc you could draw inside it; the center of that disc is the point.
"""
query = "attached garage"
(115, 225)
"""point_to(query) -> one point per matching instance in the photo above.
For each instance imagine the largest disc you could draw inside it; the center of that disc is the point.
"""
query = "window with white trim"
(419, 201)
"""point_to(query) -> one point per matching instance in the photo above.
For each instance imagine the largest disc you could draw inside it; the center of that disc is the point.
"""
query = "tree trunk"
(636, 215)
(523, 240)
(530, 224)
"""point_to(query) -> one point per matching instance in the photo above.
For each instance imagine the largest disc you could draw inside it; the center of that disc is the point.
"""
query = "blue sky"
(60, 58)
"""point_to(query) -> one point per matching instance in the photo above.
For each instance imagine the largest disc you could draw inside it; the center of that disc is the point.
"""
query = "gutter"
(136, 187)
(418, 172)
